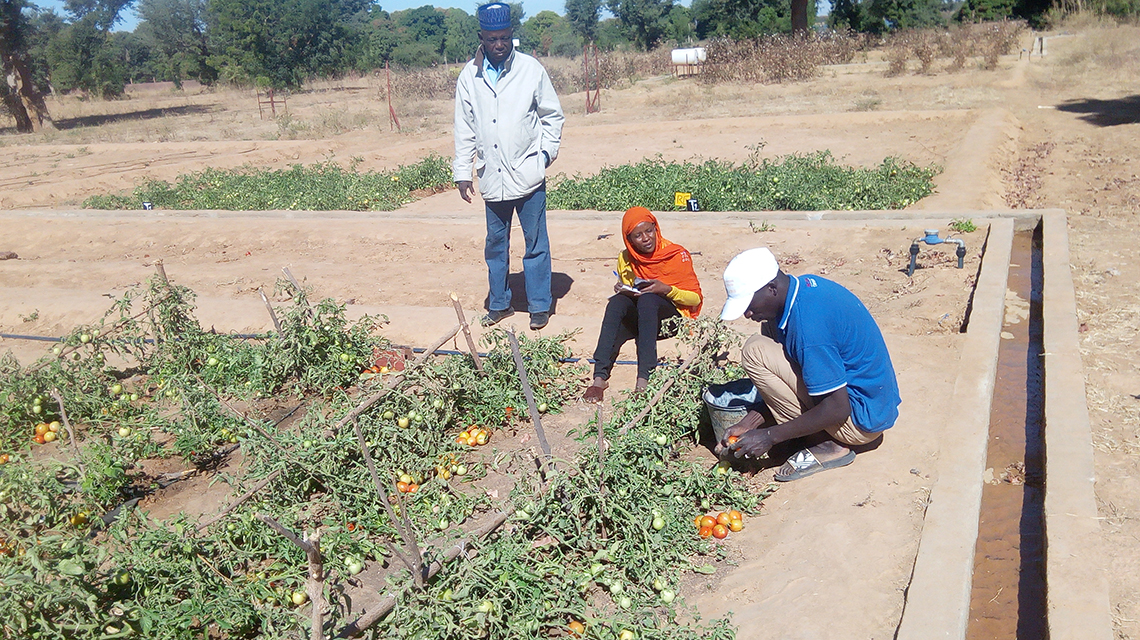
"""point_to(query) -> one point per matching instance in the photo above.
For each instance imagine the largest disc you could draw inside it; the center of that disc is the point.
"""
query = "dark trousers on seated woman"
(632, 318)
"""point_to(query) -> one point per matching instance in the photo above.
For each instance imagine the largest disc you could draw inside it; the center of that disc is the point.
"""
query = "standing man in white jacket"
(508, 126)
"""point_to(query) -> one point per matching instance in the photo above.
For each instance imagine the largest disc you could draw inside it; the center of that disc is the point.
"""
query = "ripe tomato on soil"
(720, 532)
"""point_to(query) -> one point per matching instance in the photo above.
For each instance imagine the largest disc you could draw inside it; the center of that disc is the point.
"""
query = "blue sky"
(130, 20)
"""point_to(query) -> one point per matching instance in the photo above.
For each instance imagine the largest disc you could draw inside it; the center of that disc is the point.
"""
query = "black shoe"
(539, 320)
(495, 317)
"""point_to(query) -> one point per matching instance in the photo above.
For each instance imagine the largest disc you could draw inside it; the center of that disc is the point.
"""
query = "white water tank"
(695, 55)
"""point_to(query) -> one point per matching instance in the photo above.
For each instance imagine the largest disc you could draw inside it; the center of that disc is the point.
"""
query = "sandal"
(804, 463)
(596, 391)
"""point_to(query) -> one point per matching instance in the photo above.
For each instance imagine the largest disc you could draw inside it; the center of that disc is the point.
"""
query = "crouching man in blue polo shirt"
(820, 364)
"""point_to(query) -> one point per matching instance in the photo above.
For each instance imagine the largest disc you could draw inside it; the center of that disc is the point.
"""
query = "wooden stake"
(385, 606)
(314, 585)
(70, 432)
(269, 307)
(529, 393)
(665, 387)
(467, 333)
(412, 557)
(161, 271)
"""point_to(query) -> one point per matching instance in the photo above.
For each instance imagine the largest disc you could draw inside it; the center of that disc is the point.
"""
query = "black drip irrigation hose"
(262, 336)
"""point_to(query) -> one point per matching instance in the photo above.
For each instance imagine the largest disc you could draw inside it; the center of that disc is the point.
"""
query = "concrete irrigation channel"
(965, 545)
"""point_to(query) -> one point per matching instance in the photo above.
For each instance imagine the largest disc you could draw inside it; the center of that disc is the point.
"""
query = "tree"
(745, 18)
(461, 35)
(538, 32)
(583, 17)
(281, 40)
(82, 56)
(102, 14)
(176, 33)
(904, 14)
(848, 14)
(18, 91)
(647, 20)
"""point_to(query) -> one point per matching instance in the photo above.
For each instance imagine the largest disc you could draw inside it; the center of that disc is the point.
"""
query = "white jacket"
(502, 130)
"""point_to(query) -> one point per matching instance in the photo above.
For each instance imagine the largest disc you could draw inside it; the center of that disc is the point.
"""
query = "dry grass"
(778, 58)
(986, 42)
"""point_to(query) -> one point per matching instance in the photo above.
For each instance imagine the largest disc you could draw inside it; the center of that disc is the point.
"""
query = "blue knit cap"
(494, 17)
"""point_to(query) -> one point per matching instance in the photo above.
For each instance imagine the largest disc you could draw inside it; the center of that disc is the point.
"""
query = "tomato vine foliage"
(321, 187)
(811, 182)
(77, 560)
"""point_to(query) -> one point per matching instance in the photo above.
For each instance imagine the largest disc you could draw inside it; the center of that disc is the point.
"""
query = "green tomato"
(486, 606)
(299, 598)
(624, 602)
(661, 440)
(658, 584)
(135, 397)
(615, 587)
(667, 596)
(658, 523)
(57, 350)
(403, 422)
(388, 415)
(344, 357)
(437, 404)
(85, 338)
(626, 634)
(37, 409)
(116, 389)
(597, 569)
(212, 362)
(447, 596)
(543, 407)
(124, 432)
(461, 470)
(705, 504)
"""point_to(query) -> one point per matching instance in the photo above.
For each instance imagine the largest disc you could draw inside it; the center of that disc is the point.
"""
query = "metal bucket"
(728, 403)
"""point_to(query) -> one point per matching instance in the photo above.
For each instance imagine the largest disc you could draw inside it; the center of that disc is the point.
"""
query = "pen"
(616, 275)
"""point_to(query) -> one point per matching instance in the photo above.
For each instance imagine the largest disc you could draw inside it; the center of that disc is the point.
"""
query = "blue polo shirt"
(831, 335)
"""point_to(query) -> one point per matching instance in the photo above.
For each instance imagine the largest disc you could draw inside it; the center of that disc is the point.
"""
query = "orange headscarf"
(670, 263)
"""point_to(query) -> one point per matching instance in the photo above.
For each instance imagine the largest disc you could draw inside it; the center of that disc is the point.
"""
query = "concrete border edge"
(1076, 581)
(938, 597)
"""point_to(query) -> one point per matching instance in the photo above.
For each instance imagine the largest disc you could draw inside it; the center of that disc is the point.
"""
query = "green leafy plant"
(796, 182)
(963, 225)
(322, 187)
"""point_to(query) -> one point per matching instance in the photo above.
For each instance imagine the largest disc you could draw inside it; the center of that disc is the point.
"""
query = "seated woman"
(657, 282)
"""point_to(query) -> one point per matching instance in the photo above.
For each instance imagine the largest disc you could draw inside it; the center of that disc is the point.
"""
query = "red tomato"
(708, 521)
(577, 628)
(723, 519)
(402, 487)
(351, 526)
(735, 525)
(735, 515)
(705, 532)
(720, 532)
(38, 439)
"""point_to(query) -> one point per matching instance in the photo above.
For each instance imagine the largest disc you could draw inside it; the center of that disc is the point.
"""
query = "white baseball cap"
(746, 274)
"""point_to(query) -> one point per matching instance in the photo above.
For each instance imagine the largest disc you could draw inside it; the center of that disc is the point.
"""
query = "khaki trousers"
(781, 384)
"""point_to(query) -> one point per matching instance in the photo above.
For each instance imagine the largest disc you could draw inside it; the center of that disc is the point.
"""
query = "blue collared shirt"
(491, 71)
(828, 332)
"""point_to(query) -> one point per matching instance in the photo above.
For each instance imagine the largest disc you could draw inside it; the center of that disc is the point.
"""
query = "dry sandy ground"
(831, 556)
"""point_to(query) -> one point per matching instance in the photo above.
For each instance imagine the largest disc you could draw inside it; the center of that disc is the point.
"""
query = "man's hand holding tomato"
(751, 422)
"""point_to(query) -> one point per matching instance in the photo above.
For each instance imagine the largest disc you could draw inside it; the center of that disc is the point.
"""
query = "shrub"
(320, 187)
(796, 182)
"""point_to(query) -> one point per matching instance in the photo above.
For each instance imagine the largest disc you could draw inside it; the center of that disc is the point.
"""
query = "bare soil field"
(1062, 131)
